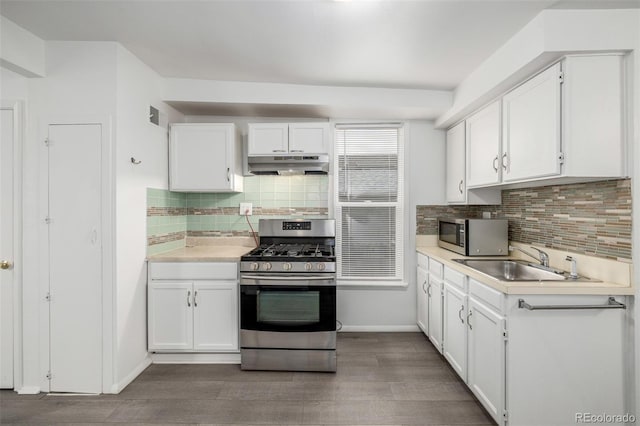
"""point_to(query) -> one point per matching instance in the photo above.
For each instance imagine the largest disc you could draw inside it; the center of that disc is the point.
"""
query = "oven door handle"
(284, 277)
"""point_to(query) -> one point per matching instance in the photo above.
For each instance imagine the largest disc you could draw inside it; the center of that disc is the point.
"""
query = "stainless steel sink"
(516, 270)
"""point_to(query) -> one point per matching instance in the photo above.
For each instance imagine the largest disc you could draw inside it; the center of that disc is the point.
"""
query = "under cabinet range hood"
(286, 165)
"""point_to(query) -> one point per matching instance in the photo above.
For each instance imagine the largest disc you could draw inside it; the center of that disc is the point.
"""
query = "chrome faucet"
(542, 257)
(574, 267)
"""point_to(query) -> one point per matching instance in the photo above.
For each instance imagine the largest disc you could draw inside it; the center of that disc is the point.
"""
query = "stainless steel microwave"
(474, 237)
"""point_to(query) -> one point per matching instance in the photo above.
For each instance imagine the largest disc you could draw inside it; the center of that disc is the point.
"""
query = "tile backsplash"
(173, 216)
(592, 218)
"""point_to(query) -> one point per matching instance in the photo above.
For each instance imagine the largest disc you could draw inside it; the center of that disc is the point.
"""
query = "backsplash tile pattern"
(217, 214)
(592, 218)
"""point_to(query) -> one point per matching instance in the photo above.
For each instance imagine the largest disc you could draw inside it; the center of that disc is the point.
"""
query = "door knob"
(5, 264)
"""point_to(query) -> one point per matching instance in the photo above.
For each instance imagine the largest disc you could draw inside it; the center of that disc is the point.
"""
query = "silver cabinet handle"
(195, 298)
(296, 150)
(94, 236)
(460, 185)
(469, 319)
(429, 290)
(278, 150)
(460, 314)
(505, 164)
(424, 286)
(228, 174)
(189, 298)
(495, 164)
(612, 303)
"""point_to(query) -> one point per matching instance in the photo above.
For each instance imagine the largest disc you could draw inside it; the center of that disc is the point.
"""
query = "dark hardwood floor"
(382, 379)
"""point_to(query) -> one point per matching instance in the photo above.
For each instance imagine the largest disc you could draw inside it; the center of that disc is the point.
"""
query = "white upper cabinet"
(565, 124)
(268, 138)
(483, 146)
(204, 158)
(289, 138)
(531, 128)
(456, 182)
(309, 138)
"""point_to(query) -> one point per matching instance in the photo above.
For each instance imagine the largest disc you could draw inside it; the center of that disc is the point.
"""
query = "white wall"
(80, 82)
(21, 51)
(138, 87)
(394, 308)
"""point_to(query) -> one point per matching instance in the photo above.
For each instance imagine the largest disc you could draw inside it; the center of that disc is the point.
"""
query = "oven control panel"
(296, 226)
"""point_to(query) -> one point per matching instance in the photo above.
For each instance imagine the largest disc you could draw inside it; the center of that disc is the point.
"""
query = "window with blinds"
(369, 196)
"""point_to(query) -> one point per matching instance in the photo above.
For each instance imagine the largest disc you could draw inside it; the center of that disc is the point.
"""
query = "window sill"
(371, 284)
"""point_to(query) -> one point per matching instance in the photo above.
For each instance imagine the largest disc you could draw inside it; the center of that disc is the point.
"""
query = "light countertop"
(526, 287)
(206, 249)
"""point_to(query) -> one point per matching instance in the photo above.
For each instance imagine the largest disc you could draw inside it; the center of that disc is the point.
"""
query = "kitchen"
(102, 82)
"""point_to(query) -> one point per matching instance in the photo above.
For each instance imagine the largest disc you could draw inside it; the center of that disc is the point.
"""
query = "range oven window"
(449, 232)
(287, 308)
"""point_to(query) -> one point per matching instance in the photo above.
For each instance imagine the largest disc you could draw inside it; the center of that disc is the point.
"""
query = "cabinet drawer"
(489, 296)
(423, 261)
(435, 268)
(193, 270)
(456, 278)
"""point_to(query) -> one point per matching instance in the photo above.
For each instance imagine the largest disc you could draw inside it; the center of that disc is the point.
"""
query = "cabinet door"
(455, 329)
(486, 362)
(456, 190)
(483, 146)
(268, 138)
(423, 300)
(531, 128)
(215, 316)
(201, 157)
(309, 138)
(435, 311)
(170, 315)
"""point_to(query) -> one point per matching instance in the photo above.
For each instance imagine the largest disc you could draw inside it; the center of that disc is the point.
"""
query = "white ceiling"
(396, 44)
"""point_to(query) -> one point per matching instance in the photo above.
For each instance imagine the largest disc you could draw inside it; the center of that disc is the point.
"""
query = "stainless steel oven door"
(288, 304)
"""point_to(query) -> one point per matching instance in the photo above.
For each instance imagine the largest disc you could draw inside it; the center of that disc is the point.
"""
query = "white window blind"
(369, 201)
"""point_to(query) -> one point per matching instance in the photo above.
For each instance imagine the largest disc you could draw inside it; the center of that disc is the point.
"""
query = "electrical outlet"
(246, 209)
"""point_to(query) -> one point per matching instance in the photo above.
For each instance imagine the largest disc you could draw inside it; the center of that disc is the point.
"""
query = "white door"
(486, 362)
(421, 294)
(309, 138)
(170, 315)
(531, 129)
(456, 191)
(75, 266)
(6, 248)
(215, 316)
(455, 329)
(435, 311)
(483, 146)
(268, 138)
(201, 157)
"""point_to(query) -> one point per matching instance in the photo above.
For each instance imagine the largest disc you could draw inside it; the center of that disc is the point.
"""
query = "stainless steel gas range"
(288, 297)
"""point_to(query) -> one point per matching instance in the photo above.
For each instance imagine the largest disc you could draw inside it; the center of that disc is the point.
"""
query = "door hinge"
(505, 415)
(46, 142)
(48, 376)
(47, 297)
(505, 335)
(561, 77)
(561, 158)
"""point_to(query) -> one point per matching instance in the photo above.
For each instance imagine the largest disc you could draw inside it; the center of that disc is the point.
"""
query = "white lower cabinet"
(422, 282)
(195, 315)
(455, 329)
(434, 308)
(486, 362)
(531, 367)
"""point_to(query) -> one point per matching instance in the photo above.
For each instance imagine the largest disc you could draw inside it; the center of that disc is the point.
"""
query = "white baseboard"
(29, 390)
(196, 358)
(380, 328)
(119, 387)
